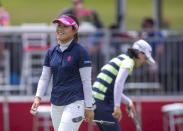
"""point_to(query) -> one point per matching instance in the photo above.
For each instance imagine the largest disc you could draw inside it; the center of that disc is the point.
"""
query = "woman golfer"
(109, 85)
(70, 65)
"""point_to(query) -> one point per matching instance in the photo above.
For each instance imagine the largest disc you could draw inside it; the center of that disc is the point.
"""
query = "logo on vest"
(69, 58)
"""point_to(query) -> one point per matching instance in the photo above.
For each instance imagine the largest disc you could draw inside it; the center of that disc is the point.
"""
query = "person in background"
(109, 84)
(154, 38)
(70, 65)
(4, 17)
(4, 21)
(84, 15)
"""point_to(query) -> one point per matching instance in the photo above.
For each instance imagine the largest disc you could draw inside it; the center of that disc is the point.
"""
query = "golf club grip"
(77, 119)
(104, 122)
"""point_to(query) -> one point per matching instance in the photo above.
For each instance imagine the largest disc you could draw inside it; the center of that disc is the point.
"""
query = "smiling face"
(141, 60)
(64, 33)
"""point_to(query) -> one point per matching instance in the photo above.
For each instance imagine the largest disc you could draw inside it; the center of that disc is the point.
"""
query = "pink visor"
(66, 20)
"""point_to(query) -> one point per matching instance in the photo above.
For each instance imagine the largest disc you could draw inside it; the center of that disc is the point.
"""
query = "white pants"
(62, 116)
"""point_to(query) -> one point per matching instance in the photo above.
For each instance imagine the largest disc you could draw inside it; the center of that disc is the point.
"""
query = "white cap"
(143, 46)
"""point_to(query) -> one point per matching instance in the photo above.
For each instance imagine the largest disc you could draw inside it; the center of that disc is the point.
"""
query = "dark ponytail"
(133, 53)
(76, 36)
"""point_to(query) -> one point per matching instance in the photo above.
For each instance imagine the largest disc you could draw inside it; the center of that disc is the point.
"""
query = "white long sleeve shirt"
(119, 87)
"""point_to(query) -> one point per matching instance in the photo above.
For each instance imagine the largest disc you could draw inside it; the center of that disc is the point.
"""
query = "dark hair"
(133, 53)
(76, 36)
(147, 21)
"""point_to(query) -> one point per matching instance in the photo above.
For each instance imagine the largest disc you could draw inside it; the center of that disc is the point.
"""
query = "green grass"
(34, 11)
